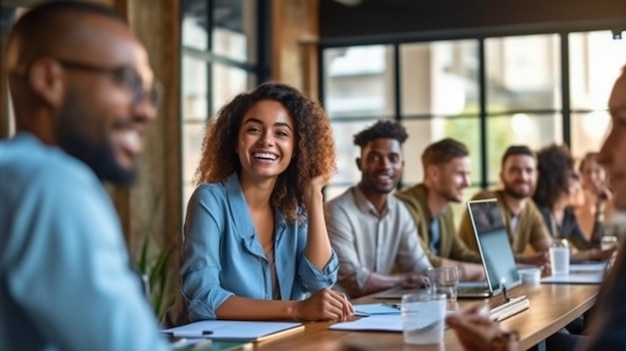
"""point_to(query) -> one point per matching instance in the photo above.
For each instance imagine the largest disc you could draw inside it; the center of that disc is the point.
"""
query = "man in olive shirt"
(523, 220)
(372, 232)
(446, 176)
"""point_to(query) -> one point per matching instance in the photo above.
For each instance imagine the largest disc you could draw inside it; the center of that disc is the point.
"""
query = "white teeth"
(264, 155)
(130, 140)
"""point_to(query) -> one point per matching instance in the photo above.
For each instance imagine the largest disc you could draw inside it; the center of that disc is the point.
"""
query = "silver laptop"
(495, 250)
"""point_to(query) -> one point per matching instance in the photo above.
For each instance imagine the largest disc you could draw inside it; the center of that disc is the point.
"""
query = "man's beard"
(379, 190)
(509, 190)
(74, 139)
(369, 185)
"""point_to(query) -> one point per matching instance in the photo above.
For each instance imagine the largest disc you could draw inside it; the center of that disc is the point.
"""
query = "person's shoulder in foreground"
(67, 281)
(607, 322)
(64, 252)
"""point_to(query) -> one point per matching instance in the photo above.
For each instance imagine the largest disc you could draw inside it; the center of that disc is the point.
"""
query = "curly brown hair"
(314, 153)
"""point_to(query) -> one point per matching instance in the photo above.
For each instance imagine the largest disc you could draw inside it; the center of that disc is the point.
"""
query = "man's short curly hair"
(314, 152)
(555, 164)
(386, 129)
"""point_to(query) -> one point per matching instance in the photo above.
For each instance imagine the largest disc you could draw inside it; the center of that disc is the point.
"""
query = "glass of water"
(423, 318)
(444, 280)
(559, 257)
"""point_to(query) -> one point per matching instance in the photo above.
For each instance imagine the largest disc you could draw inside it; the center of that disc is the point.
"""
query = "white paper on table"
(582, 278)
(385, 322)
(588, 267)
(392, 323)
(238, 330)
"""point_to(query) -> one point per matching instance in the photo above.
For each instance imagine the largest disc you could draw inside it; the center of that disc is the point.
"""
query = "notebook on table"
(495, 250)
(247, 331)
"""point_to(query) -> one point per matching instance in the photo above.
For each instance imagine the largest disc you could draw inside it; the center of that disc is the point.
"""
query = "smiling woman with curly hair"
(255, 235)
(314, 154)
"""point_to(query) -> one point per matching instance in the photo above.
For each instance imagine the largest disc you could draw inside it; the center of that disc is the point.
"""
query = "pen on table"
(189, 333)
(392, 305)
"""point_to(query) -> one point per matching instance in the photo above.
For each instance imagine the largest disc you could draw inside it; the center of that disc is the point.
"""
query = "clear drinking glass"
(444, 280)
(423, 318)
(559, 257)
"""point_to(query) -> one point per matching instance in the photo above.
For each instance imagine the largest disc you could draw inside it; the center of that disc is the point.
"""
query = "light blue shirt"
(65, 279)
(222, 256)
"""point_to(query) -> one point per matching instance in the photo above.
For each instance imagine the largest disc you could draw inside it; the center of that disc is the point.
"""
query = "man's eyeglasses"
(125, 76)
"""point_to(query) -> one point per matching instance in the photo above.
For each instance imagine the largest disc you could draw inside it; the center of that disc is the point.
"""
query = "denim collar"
(243, 223)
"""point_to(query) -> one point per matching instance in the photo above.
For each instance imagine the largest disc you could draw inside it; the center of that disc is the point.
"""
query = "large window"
(220, 58)
(439, 98)
(488, 92)
(523, 95)
(359, 85)
(596, 59)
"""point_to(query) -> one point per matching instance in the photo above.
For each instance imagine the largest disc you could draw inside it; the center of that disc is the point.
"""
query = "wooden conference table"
(552, 307)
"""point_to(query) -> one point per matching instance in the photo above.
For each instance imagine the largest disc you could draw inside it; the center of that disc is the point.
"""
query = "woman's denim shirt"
(222, 256)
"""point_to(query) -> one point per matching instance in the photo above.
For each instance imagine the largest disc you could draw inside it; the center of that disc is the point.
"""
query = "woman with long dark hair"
(558, 181)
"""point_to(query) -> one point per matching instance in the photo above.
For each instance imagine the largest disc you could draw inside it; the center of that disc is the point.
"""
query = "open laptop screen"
(493, 243)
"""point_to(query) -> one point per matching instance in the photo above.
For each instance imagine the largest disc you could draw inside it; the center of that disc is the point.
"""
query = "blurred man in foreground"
(82, 91)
